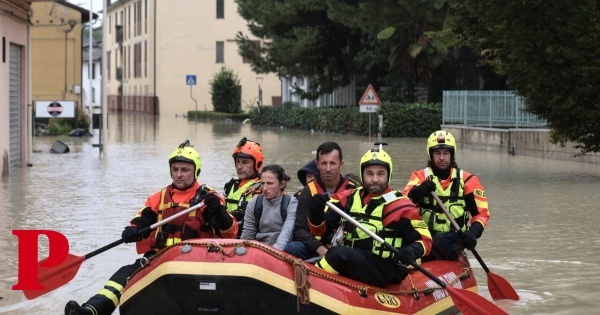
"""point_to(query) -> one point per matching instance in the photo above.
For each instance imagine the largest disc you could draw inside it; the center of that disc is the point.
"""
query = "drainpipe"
(30, 121)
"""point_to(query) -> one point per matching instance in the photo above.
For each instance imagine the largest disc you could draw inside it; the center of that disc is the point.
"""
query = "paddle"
(466, 302)
(54, 277)
(498, 286)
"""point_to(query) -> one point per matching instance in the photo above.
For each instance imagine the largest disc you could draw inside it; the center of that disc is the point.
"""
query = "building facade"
(154, 46)
(92, 74)
(56, 36)
(14, 85)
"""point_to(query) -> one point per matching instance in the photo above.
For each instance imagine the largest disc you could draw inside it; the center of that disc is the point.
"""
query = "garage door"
(15, 106)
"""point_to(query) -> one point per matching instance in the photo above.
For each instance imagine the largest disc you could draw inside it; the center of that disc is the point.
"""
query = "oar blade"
(54, 277)
(500, 288)
(470, 303)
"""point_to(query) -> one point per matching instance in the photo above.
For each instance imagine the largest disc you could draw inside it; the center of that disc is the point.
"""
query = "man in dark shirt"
(329, 161)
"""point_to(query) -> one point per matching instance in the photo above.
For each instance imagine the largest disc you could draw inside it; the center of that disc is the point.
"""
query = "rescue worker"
(210, 221)
(462, 194)
(329, 162)
(248, 159)
(385, 212)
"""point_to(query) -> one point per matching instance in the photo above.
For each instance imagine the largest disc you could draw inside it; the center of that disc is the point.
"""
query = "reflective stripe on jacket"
(371, 217)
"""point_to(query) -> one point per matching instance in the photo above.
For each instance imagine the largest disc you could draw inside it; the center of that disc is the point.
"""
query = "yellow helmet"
(185, 153)
(376, 156)
(441, 139)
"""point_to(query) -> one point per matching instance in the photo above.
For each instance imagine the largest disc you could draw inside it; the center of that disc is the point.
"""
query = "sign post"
(190, 80)
(369, 103)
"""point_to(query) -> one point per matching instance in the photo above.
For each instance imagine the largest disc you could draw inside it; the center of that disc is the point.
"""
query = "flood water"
(542, 237)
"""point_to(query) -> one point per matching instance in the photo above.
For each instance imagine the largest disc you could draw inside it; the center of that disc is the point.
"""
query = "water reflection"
(541, 236)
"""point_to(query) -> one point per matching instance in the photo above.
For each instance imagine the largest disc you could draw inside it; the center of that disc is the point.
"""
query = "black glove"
(200, 195)
(215, 213)
(469, 238)
(213, 205)
(130, 234)
(316, 206)
(418, 192)
(402, 272)
(409, 253)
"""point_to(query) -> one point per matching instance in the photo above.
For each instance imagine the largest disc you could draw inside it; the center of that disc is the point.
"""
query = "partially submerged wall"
(528, 142)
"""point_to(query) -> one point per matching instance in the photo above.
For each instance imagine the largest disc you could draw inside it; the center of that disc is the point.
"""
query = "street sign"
(369, 102)
(58, 109)
(190, 79)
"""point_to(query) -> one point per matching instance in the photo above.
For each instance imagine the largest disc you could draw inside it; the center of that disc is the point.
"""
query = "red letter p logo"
(28, 257)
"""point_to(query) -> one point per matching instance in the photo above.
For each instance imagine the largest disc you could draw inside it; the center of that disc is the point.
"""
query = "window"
(93, 71)
(145, 59)
(220, 9)
(137, 60)
(220, 52)
(255, 49)
(108, 65)
(93, 94)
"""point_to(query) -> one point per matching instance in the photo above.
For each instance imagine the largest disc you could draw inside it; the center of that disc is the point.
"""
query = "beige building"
(56, 51)
(153, 46)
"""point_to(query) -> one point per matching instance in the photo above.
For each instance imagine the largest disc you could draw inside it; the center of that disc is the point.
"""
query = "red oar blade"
(54, 277)
(470, 303)
(500, 288)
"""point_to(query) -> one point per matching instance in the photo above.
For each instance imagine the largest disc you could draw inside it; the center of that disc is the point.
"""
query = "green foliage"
(551, 56)
(226, 92)
(299, 39)
(62, 126)
(83, 120)
(399, 120)
(334, 42)
(58, 127)
(210, 115)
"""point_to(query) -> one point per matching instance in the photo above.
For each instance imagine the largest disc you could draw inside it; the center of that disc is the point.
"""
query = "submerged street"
(539, 237)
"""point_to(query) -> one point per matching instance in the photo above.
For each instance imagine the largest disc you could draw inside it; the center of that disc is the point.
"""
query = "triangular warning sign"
(370, 97)
(191, 81)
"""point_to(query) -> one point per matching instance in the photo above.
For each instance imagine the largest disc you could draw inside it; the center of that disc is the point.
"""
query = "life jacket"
(185, 227)
(238, 197)
(258, 208)
(314, 187)
(454, 200)
(371, 217)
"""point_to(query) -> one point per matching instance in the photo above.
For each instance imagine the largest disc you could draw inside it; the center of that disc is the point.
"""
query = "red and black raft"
(220, 276)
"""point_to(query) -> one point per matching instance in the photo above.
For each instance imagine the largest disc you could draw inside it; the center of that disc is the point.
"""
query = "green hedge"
(399, 120)
(210, 115)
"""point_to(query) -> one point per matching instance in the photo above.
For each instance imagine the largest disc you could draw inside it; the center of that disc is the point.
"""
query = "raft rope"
(301, 271)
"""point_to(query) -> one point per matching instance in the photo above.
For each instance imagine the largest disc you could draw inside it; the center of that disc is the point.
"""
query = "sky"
(96, 6)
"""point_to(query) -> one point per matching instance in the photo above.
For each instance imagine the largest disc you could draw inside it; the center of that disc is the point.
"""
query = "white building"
(92, 93)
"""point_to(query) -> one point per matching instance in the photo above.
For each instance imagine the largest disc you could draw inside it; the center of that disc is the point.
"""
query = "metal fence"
(493, 109)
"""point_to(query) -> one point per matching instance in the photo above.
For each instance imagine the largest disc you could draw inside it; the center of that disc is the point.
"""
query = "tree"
(550, 53)
(402, 26)
(225, 92)
(299, 40)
